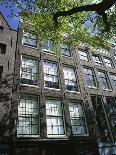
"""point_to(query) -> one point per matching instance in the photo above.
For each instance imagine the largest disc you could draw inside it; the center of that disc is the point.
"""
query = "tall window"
(89, 77)
(2, 48)
(48, 46)
(27, 116)
(108, 62)
(29, 39)
(70, 79)
(29, 70)
(65, 50)
(51, 75)
(97, 60)
(1, 29)
(103, 80)
(77, 119)
(113, 77)
(83, 55)
(54, 116)
(1, 70)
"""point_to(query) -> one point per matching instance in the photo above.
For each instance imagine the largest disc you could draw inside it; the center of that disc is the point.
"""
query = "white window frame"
(113, 78)
(24, 114)
(85, 56)
(96, 59)
(26, 80)
(108, 62)
(106, 80)
(70, 78)
(31, 35)
(55, 116)
(88, 75)
(54, 76)
(77, 117)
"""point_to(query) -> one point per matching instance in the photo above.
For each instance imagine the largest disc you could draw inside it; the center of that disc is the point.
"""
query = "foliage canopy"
(70, 21)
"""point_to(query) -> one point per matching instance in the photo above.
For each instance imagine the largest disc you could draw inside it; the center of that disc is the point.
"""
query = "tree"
(70, 21)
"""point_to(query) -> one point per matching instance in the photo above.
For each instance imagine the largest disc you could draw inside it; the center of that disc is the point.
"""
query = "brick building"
(8, 38)
(62, 104)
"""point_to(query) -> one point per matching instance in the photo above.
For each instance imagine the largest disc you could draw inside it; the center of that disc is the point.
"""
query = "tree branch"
(99, 8)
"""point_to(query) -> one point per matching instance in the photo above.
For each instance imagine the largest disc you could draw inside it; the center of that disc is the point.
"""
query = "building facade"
(62, 104)
(8, 38)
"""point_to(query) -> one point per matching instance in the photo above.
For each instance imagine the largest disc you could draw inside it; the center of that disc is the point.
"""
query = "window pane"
(103, 80)
(29, 70)
(70, 79)
(54, 117)
(113, 77)
(89, 77)
(29, 39)
(51, 75)
(27, 116)
(48, 45)
(65, 50)
(96, 60)
(77, 119)
(83, 55)
(108, 62)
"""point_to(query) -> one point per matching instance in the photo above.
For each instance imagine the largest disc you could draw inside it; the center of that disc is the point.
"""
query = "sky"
(12, 21)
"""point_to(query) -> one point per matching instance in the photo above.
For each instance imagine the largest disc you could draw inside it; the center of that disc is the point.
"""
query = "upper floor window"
(97, 60)
(77, 119)
(1, 70)
(51, 75)
(48, 46)
(28, 70)
(108, 62)
(113, 77)
(27, 116)
(29, 39)
(83, 55)
(54, 117)
(70, 79)
(89, 77)
(65, 50)
(2, 48)
(1, 28)
(103, 80)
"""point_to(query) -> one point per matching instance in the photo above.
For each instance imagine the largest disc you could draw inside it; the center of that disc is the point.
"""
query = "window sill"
(29, 85)
(107, 90)
(48, 51)
(84, 135)
(30, 46)
(92, 87)
(73, 91)
(27, 136)
(52, 88)
(56, 136)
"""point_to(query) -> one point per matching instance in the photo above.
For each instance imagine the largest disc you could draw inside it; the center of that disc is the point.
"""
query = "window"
(28, 70)
(70, 79)
(54, 116)
(2, 48)
(108, 62)
(89, 77)
(77, 119)
(97, 60)
(65, 50)
(113, 77)
(1, 70)
(83, 55)
(103, 80)
(51, 75)
(100, 118)
(29, 39)
(27, 116)
(48, 46)
(4, 149)
(1, 29)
